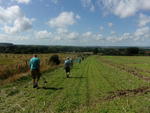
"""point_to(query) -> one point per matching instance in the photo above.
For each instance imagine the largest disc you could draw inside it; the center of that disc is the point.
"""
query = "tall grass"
(14, 66)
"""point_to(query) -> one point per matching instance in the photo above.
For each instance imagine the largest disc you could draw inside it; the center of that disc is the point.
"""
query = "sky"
(75, 22)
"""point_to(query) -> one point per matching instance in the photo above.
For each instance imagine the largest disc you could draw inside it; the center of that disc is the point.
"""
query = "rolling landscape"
(74, 56)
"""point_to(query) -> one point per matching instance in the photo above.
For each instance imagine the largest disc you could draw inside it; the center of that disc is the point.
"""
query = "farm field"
(100, 84)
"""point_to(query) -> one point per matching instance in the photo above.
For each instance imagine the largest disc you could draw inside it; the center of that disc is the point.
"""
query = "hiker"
(35, 70)
(67, 65)
(71, 62)
(79, 60)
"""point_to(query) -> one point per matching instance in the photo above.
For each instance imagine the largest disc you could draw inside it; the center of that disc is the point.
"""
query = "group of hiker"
(35, 68)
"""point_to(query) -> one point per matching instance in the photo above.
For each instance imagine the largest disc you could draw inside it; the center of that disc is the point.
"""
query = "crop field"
(99, 84)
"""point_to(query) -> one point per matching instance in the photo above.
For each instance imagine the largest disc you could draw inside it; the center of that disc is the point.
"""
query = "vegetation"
(121, 51)
(97, 85)
(14, 66)
(132, 51)
(54, 60)
(95, 51)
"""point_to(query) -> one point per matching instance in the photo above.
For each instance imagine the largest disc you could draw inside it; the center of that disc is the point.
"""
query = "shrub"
(54, 59)
(95, 51)
(132, 51)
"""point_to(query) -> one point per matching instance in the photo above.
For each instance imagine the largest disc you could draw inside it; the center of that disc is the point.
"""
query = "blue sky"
(75, 22)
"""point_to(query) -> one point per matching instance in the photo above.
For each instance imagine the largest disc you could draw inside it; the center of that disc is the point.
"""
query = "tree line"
(30, 49)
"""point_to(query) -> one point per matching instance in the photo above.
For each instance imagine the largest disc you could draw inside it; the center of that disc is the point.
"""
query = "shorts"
(35, 74)
(67, 69)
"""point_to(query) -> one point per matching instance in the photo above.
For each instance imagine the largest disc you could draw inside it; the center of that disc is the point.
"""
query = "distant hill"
(6, 44)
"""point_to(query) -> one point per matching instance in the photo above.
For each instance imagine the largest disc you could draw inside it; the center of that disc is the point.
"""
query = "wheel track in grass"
(128, 92)
(109, 82)
(117, 94)
(122, 93)
(83, 68)
(59, 96)
(108, 79)
(93, 81)
(87, 88)
(103, 77)
(122, 67)
(74, 83)
(87, 105)
(78, 91)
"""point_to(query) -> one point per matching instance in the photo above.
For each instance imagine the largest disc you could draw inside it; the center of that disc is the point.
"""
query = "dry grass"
(15, 66)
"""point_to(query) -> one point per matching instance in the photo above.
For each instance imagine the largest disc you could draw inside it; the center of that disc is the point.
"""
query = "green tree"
(95, 51)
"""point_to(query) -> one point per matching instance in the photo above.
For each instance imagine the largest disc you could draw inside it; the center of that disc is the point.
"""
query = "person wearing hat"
(67, 65)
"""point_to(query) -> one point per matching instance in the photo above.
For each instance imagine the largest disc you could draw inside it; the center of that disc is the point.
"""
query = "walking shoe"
(35, 86)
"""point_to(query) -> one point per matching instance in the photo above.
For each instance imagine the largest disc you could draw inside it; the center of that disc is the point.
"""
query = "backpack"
(67, 63)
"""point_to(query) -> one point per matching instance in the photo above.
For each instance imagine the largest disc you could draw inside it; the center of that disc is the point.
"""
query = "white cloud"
(142, 32)
(90, 36)
(110, 24)
(87, 34)
(23, 1)
(60, 34)
(121, 38)
(125, 8)
(62, 30)
(73, 35)
(9, 14)
(57, 38)
(23, 38)
(99, 37)
(138, 35)
(20, 25)
(143, 20)
(3, 37)
(64, 34)
(44, 34)
(13, 20)
(12, 38)
(64, 19)
(88, 4)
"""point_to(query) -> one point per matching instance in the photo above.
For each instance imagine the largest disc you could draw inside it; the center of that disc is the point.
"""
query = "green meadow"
(100, 84)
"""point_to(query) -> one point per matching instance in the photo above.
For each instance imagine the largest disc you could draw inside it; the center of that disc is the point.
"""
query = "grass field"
(13, 66)
(100, 84)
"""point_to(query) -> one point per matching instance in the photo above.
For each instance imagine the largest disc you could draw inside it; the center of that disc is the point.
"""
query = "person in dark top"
(67, 65)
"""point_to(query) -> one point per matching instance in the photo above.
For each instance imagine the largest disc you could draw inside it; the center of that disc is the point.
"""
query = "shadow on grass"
(77, 77)
(51, 88)
(76, 68)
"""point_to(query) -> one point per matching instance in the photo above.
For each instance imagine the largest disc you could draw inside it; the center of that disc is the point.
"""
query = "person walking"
(71, 62)
(67, 65)
(35, 70)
